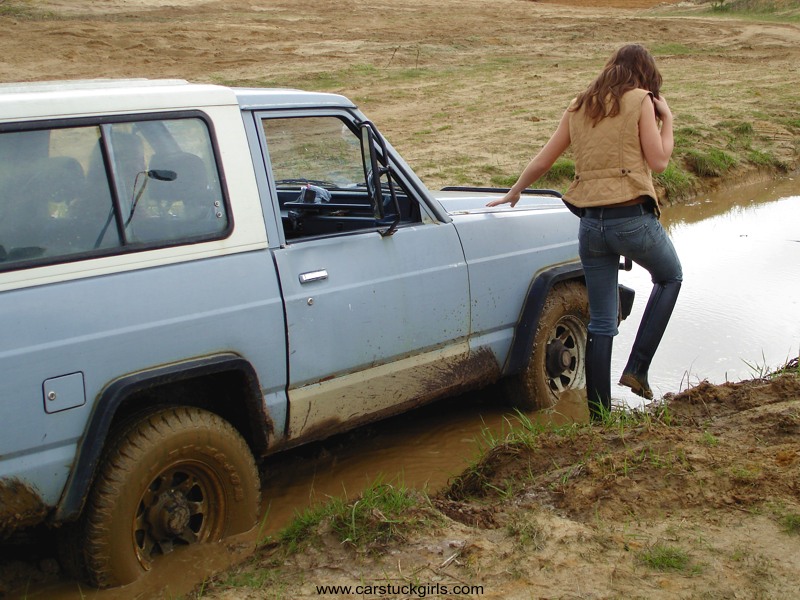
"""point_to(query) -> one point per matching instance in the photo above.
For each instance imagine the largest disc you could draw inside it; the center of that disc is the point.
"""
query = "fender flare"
(522, 344)
(90, 446)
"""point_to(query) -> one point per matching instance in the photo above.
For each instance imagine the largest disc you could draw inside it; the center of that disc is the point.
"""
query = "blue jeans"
(602, 242)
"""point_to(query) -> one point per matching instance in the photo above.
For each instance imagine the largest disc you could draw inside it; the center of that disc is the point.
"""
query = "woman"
(613, 127)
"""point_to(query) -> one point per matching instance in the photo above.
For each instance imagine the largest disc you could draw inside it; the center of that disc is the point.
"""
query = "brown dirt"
(467, 90)
(714, 478)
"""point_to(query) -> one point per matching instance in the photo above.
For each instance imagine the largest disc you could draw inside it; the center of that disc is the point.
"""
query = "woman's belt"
(634, 208)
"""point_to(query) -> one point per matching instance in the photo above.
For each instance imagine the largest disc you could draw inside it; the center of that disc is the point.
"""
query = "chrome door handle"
(318, 275)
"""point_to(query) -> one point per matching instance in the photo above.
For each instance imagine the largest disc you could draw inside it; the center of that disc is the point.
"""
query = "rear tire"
(179, 476)
(558, 360)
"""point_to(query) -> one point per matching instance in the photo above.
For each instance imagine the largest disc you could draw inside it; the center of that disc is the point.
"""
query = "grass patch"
(792, 367)
(558, 177)
(713, 163)
(781, 11)
(766, 159)
(710, 440)
(662, 557)
(670, 49)
(376, 517)
(686, 137)
(764, 371)
(526, 531)
(744, 129)
(248, 578)
(503, 181)
(20, 10)
(561, 173)
(306, 524)
(791, 523)
(676, 183)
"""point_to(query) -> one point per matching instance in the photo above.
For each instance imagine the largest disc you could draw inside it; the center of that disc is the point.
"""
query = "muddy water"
(739, 308)
(740, 304)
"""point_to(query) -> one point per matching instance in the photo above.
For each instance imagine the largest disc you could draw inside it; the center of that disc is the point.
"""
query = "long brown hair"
(630, 67)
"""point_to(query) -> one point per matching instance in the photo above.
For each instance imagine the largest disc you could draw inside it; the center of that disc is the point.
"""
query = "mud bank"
(698, 498)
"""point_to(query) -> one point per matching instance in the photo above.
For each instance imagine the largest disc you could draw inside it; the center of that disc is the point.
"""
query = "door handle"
(310, 276)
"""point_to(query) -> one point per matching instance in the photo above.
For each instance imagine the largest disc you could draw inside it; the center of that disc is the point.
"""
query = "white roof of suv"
(51, 99)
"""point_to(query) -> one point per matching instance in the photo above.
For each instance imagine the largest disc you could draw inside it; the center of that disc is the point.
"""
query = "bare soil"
(701, 501)
(467, 90)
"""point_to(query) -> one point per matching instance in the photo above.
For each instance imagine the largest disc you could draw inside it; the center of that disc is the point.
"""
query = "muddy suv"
(193, 277)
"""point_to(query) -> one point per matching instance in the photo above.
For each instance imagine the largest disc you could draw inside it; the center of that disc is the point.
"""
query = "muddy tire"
(179, 476)
(558, 360)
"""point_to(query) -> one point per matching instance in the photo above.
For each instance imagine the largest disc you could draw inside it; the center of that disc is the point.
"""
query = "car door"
(373, 321)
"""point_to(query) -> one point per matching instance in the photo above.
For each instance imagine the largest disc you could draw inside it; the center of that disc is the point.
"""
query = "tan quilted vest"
(609, 165)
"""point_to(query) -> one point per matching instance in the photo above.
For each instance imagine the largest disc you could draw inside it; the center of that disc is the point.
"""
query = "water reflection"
(739, 309)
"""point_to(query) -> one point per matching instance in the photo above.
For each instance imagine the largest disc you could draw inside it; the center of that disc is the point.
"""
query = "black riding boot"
(598, 374)
(651, 329)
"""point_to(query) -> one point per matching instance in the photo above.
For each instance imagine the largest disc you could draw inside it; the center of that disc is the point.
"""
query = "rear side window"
(68, 193)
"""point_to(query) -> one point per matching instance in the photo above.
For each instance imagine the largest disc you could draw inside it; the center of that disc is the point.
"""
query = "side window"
(314, 149)
(48, 207)
(72, 192)
(318, 170)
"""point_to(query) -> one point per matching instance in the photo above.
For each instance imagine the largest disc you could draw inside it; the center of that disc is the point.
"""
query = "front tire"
(558, 361)
(176, 477)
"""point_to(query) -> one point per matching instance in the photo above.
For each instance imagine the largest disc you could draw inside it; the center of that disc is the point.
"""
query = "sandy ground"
(467, 90)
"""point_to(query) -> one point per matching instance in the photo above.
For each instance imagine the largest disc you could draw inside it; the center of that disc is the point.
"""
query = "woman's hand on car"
(511, 197)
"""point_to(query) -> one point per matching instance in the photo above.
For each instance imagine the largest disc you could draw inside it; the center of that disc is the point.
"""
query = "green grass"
(524, 529)
(740, 140)
(766, 159)
(562, 172)
(13, 9)
(503, 181)
(744, 128)
(25, 10)
(791, 523)
(676, 183)
(305, 524)
(377, 516)
(764, 371)
(686, 137)
(765, 10)
(792, 367)
(670, 49)
(558, 177)
(662, 557)
(712, 163)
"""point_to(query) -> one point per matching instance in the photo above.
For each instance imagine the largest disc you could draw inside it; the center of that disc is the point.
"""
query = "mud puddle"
(740, 304)
(739, 308)
(421, 449)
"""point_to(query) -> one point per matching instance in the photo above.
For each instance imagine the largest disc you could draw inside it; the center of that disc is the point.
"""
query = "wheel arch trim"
(543, 282)
(525, 332)
(92, 443)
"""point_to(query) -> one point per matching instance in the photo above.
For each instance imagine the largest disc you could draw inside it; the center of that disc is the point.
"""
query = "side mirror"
(373, 172)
